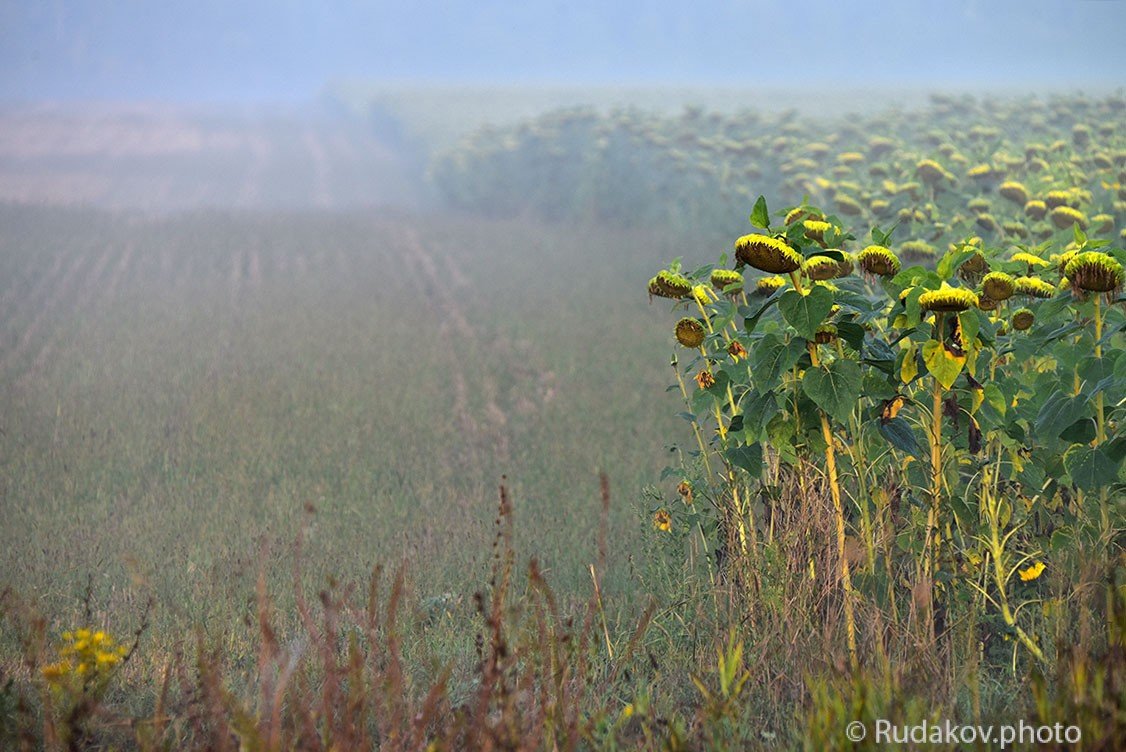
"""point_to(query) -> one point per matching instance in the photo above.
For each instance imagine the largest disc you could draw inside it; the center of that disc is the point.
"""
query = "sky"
(289, 50)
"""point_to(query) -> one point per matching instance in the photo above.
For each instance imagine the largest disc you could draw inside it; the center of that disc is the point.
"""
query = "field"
(216, 423)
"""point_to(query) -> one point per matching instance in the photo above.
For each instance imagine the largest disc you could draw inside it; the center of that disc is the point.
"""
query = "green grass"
(386, 370)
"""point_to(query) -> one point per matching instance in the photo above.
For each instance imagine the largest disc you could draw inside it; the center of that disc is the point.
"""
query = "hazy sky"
(266, 50)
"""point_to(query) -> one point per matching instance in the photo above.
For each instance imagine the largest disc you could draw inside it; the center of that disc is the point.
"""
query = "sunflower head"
(826, 334)
(767, 254)
(878, 261)
(986, 222)
(662, 520)
(1036, 208)
(1094, 271)
(986, 303)
(916, 250)
(721, 279)
(848, 205)
(670, 285)
(823, 267)
(1023, 257)
(769, 285)
(930, 172)
(1057, 198)
(690, 332)
(997, 286)
(1064, 217)
(802, 213)
(1023, 319)
(705, 379)
(1104, 223)
(1014, 191)
(948, 300)
(815, 229)
(1034, 287)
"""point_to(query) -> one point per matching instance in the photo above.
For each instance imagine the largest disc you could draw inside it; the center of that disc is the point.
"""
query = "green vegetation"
(883, 480)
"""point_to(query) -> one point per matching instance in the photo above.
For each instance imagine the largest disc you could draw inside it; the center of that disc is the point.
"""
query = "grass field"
(215, 424)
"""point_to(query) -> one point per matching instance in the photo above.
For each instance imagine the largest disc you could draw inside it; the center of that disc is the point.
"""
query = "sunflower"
(1064, 217)
(826, 334)
(769, 285)
(998, 286)
(1033, 572)
(1036, 208)
(802, 213)
(1057, 198)
(916, 250)
(1034, 287)
(705, 379)
(684, 488)
(721, 279)
(736, 351)
(1094, 271)
(767, 253)
(878, 261)
(948, 300)
(823, 267)
(849, 206)
(1023, 319)
(662, 520)
(986, 303)
(930, 172)
(1014, 191)
(815, 229)
(670, 285)
(690, 333)
(1022, 257)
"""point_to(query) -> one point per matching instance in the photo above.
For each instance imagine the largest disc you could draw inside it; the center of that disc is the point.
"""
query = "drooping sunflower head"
(878, 261)
(802, 213)
(986, 222)
(815, 229)
(1064, 217)
(662, 520)
(823, 267)
(848, 205)
(948, 299)
(1104, 223)
(1023, 319)
(978, 205)
(767, 254)
(1036, 208)
(1014, 191)
(670, 285)
(1034, 287)
(1034, 262)
(998, 286)
(930, 172)
(826, 334)
(1095, 271)
(986, 303)
(916, 250)
(701, 294)
(690, 332)
(721, 279)
(769, 285)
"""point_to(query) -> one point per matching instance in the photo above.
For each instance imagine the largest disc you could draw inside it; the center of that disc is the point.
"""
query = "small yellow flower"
(1033, 572)
(736, 351)
(662, 520)
(705, 379)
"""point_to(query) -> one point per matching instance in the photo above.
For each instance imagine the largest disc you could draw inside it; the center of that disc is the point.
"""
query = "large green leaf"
(756, 410)
(835, 389)
(1089, 467)
(1058, 412)
(899, 434)
(941, 363)
(747, 457)
(806, 311)
(772, 357)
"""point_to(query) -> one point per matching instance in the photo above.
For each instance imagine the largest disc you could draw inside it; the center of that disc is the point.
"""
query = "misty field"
(694, 430)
